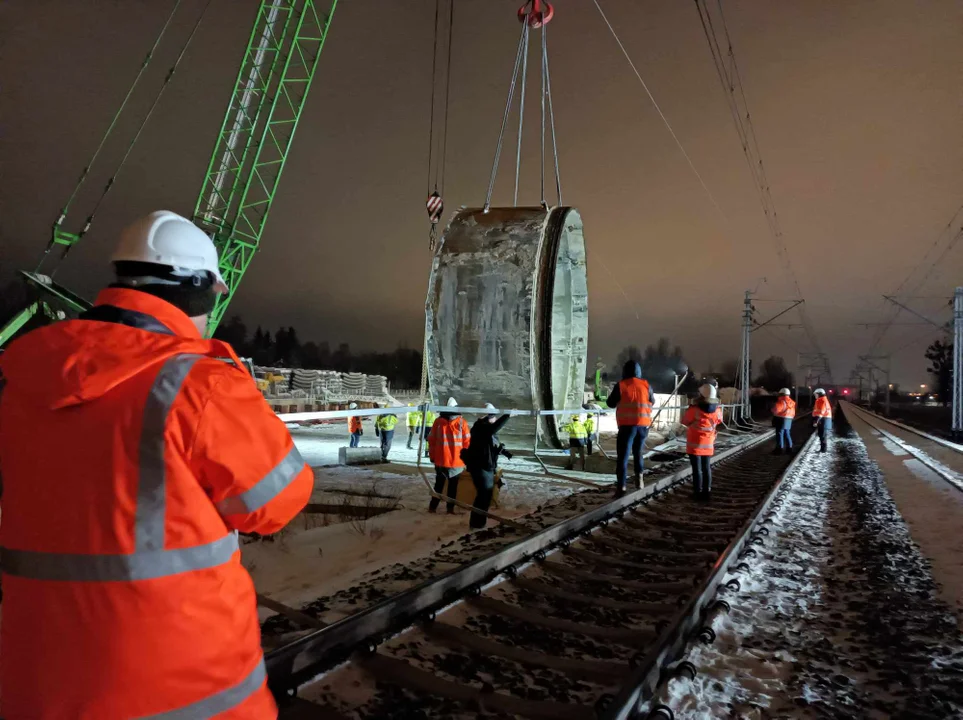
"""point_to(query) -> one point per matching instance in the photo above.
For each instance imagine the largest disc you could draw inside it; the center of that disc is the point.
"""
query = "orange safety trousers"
(131, 454)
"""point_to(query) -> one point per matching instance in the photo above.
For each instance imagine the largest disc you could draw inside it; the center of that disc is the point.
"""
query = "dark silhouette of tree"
(775, 375)
(661, 363)
(940, 355)
(262, 348)
(287, 347)
(728, 372)
(234, 333)
(625, 355)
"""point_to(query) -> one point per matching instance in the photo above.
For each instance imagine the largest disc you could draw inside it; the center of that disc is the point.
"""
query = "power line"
(659, 110)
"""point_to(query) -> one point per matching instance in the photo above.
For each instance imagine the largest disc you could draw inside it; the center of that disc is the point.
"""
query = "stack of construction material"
(375, 385)
(353, 384)
(330, 382)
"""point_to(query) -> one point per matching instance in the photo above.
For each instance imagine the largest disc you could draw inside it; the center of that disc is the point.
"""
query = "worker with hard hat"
(448, 437)
(413, 420)
(783, 412)
(355, 431)
(822, 417)
(632, 399)
(124, 594)
(702, 418)
(577, 430)
(481, 459)
(591, 426)
(385, 428)
(429, 420)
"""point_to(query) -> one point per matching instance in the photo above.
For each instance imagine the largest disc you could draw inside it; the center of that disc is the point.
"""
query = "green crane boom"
(249, 153)
(255, 137)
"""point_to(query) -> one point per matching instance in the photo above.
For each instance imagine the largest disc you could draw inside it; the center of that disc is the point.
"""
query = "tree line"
(284, 348)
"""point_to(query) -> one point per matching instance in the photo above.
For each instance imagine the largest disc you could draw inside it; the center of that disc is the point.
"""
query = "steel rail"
(303, 659)
(956, 447)
(671, 644)
(948, 474)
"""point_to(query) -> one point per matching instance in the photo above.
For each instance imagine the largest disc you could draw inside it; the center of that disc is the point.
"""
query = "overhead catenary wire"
(658, 109)
(147, 116)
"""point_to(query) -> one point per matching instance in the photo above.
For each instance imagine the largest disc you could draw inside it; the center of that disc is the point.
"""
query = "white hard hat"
(489, 406)
(784, 391)
(352, 406)
(166, 238)
(708, 392)
(452, 402)
(819, 391)
(582, 417)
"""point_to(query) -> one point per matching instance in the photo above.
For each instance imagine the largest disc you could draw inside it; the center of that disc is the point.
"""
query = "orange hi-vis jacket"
(634, 406)
(130, 456)
(785, 407)
(700, 438)
(354, 424)
(447, 439)
(822, 408)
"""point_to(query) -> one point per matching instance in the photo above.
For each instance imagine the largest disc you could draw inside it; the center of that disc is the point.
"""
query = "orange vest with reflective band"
(785, 407)
(700, 438)
(634, 407)
(447, 439)
(130, 458)
(822, 408)
(354, 424)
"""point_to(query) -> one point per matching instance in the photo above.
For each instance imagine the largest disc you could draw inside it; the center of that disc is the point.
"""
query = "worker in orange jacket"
(783, 412)
(701, 419)
(131, 454)
(822, 417)
(354, 427)
(449, 435)
(632, 399)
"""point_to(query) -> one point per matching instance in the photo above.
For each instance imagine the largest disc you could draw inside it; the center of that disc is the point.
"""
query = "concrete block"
(359, 456)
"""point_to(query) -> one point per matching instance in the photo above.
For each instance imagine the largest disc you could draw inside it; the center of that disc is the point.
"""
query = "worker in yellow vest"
(413, 421)
(577, 437)
(430, 418)
(385, 428)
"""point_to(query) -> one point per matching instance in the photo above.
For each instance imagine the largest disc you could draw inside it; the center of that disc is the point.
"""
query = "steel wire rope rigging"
(68, 239)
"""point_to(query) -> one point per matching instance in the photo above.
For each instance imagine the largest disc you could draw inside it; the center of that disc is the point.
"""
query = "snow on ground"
(932, 508)
(838, 615)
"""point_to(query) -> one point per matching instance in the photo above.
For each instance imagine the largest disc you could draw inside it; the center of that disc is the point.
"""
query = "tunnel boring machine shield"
(507, 314)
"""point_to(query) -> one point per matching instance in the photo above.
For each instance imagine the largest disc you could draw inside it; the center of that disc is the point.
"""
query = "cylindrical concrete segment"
(507, 313)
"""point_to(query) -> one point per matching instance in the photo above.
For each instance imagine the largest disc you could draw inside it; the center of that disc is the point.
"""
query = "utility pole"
(744, 359)
(957, 362)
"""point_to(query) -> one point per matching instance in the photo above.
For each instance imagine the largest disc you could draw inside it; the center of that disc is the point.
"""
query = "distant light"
(922, 387)
(831, 391)
(891, 386)
(845, 391)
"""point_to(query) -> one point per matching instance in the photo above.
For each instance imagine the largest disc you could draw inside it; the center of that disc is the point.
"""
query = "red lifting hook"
(540, 14)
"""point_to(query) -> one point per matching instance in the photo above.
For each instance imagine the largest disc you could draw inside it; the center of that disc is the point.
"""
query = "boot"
(638, 482)
(619, 492)
(707, 495)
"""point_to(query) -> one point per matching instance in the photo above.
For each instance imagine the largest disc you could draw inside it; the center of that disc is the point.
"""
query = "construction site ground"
(335, 561)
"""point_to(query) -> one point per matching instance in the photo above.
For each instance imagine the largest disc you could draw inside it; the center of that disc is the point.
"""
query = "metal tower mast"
(255, 137)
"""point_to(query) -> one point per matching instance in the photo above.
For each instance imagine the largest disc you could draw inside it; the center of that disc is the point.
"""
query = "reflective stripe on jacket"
(822, 408)
(635, 404)
(386, 422)
(354, 424)
(447, 439)
(700, 438)
(590, 425)
(121, 545)
(785, 407)
(414, 418)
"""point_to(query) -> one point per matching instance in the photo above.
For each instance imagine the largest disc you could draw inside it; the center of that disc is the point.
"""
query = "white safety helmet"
(819, 391)
(583, 417)
(491, 411)
(166, 238)
(785, 391)
(452, 402)
(352, 406)
(708, 392)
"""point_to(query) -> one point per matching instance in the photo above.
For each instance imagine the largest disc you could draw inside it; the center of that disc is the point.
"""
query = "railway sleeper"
(641, 586)
(699, 555)
(598, 559)
(538, 587)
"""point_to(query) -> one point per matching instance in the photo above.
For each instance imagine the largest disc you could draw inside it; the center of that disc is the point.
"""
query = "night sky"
(856, 105)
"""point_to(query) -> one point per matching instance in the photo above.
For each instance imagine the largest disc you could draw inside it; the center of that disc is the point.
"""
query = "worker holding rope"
(124, 594)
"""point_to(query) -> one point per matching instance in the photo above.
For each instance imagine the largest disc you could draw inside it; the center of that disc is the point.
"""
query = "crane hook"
(540, 14)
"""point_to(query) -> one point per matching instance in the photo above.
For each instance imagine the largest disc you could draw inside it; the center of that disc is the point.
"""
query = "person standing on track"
(132, 451)
(701, 419)
(448, 437)
(632, 399)
(783, 412)
(577, 429)
(591, 427)
(822, 417)
(354, 427)
(481, 459)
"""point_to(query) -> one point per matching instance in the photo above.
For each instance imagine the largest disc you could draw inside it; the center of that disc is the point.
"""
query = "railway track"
(943, 457)
(578, 621)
